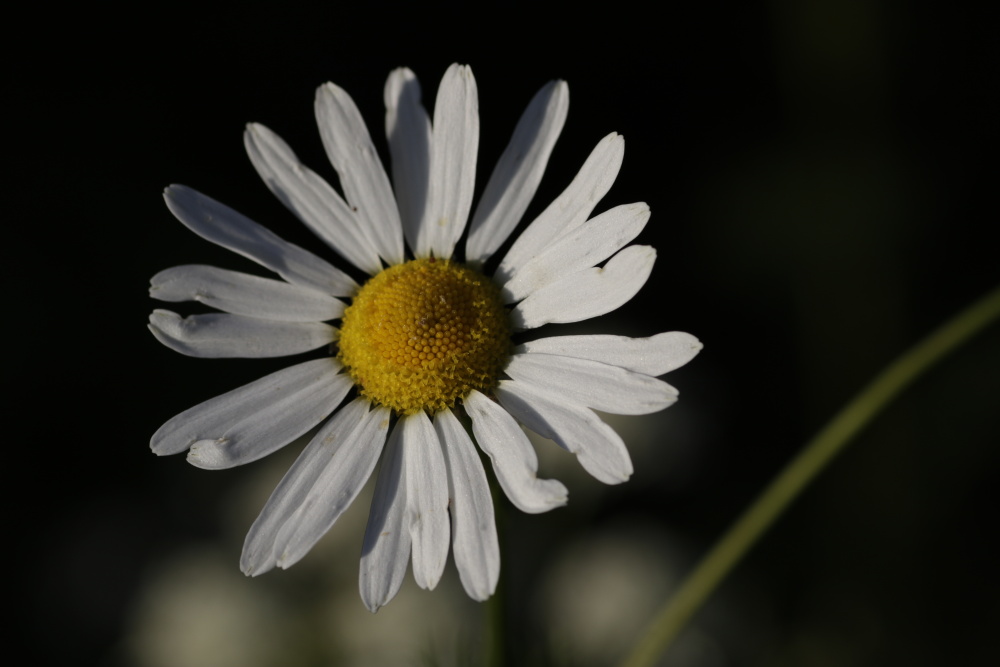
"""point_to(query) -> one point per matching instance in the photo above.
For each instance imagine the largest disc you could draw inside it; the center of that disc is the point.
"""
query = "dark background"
(818, 176)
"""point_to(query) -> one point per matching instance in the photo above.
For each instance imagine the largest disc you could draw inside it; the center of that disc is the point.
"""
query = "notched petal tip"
(550, 494)
(284, 562)
(250, 567)
(155, 446)
(612, 481)
(679, 348)
(459, 71)
(559, 497)
(209, 454)
(155, 327)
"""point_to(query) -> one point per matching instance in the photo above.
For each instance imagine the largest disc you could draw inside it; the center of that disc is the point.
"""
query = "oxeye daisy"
(427, 352)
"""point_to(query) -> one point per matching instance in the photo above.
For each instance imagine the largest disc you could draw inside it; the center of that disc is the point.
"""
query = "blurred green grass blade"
(816, 454)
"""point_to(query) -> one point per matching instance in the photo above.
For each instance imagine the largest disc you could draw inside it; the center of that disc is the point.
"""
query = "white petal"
(221, 335)
(518, 172)
(310, 198)
(570, 209)
(454, 146)
(254, 420)
(386, 549)
(408, 128)
(348, 454)
(426, 498)
(223, 226)
(514, 461)
(327, 474)
(586, 246)
(588, 293)
(592, 383)
(599, 449)
(655, 355)
(244, 294)
(473, 529)
(353, 155)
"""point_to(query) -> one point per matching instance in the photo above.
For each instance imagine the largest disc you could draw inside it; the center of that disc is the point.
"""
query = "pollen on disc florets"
(424, 334)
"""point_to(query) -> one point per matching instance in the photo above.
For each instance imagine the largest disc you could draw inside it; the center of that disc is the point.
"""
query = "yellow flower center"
(424, 334)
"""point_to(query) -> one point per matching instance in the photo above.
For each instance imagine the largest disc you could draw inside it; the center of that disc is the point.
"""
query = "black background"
(819, 180)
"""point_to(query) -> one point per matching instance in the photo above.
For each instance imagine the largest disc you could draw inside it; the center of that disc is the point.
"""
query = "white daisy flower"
(426, 343)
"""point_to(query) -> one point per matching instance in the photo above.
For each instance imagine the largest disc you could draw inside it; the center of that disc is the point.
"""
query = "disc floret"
(424, 334)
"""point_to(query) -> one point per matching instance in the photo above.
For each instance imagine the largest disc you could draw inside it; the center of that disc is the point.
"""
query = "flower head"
(427, 345)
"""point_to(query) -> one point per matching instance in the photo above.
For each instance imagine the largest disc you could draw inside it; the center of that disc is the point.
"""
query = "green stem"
(830, 441)
(495, 650)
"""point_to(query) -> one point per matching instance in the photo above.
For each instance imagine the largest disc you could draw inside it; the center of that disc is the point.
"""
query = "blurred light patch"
(604, 589)
(197, 610)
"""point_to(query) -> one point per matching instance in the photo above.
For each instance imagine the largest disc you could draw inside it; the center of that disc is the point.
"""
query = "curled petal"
(654, 356)
(588, 293)
(256, 419)
(221, 335)
(584, 247)
(244, 294)
(570, 209)
(592, 383)
(514, 460)
(577, 429)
